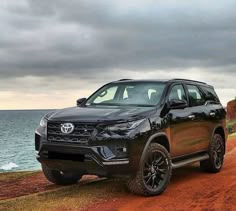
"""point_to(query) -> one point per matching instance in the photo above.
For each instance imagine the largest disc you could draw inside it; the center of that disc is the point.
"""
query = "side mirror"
(80, 101)
(178, 104)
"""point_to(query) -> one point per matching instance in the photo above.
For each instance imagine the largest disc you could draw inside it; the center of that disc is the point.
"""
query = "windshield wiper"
(142, 105)
(119, 104)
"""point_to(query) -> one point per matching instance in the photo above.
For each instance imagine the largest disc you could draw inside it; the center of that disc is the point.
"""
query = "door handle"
(192, 117)
(212, 114)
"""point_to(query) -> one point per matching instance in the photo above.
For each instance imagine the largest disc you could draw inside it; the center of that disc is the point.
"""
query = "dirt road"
(190, 189)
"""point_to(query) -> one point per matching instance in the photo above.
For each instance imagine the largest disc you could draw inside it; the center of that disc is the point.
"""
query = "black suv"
(138, 129)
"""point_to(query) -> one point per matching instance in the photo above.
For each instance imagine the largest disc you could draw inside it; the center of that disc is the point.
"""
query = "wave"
(9, 166)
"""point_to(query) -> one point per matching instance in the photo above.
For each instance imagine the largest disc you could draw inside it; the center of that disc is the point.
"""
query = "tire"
(216, 155)
(59, 177)
(154, 172)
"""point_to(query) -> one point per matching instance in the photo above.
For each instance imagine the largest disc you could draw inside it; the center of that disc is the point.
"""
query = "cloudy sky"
(53, 52)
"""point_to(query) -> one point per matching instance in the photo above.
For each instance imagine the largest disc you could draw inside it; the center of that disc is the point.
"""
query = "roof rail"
(124, 79)
(181, 79)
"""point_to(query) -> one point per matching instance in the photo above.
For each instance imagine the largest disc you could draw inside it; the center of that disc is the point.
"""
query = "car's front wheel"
(60, 177)
(154, 172)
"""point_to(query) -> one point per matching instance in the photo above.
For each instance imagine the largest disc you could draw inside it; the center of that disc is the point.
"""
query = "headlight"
(43, 122)
(125, 126)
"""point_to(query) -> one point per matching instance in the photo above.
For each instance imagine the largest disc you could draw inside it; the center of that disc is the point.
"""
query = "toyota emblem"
(67, 128)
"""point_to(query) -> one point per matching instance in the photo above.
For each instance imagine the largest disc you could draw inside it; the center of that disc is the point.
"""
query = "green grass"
(231, 123)
(73, 197)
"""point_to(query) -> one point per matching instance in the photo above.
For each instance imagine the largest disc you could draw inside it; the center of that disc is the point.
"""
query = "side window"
(106, 95)
(177, 93)
(195, 96)
(210, 94)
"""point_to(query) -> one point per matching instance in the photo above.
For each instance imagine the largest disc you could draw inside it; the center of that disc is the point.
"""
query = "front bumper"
(105, 154)
(99, 160)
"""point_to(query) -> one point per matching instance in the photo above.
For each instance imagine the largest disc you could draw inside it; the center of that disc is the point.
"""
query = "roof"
(163, 80)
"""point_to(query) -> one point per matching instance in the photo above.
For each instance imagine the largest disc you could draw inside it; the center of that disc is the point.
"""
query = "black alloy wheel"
(216, 155)
(154, 172)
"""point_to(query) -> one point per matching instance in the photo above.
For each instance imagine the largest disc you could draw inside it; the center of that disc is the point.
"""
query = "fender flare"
(151, 138)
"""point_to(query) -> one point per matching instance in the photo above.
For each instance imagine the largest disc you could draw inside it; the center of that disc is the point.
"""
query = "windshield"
(130, 93)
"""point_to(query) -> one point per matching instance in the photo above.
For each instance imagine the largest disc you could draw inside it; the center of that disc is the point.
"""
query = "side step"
(181, 163)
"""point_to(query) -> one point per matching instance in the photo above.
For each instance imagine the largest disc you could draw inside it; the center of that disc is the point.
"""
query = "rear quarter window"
(210, 94)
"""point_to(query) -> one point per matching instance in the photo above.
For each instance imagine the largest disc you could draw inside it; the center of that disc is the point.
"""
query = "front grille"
(81, 134)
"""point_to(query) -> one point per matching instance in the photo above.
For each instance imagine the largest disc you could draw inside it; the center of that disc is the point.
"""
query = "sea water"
(17, 139)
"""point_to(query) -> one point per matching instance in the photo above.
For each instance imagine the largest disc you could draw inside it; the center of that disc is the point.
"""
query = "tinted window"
(150, 93)
(210, 94)
(134, 93)
(195, 96)
(177, 93)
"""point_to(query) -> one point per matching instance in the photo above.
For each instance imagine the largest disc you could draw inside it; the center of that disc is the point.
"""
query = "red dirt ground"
(190, 189)
(24, 186)
(28, 185)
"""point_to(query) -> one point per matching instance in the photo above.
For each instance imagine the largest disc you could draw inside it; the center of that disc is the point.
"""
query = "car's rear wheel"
(60, 177)
(216, 155)
(154, 172)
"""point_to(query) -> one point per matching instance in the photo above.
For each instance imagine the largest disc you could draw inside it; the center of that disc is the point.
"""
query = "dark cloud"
(80, 44)
(87, 37)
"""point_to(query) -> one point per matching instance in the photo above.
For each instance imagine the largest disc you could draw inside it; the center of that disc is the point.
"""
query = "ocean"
(17, 139)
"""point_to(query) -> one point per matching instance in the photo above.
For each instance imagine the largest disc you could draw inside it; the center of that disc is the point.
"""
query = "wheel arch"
(159, 138)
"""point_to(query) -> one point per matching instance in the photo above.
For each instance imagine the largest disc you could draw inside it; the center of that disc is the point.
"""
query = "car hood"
(101, 114)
